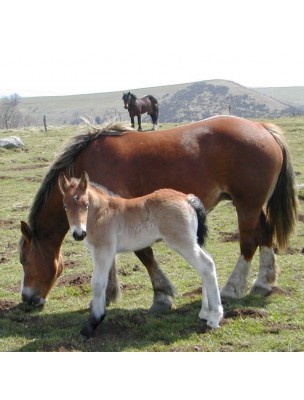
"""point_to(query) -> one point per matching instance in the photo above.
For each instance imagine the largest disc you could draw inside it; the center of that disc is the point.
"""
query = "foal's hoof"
(87, 331)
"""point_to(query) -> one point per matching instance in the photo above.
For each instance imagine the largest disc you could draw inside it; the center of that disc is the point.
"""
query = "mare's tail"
(154, 103)
(282, 207)
(198, 207)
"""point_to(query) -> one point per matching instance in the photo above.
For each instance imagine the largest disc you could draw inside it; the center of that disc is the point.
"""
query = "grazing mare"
(136, 107)
(111, 224)
(219, 158)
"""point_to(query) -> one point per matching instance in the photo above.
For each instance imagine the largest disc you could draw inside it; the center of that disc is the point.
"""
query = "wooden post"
(44, 123)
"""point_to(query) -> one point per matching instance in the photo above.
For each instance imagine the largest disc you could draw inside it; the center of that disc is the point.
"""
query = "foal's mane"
(65, 161)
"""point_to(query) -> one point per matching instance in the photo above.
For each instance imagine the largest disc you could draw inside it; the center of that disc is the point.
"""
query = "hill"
(178, 103)
(293, 95)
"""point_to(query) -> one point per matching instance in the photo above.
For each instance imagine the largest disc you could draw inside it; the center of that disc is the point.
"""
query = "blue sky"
(63, 47)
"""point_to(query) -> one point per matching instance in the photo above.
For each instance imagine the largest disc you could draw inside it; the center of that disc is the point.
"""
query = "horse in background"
(111, 224)
(137, 106)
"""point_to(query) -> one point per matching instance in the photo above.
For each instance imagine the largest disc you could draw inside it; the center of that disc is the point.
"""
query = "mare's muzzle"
(32, 300)
(79, 236)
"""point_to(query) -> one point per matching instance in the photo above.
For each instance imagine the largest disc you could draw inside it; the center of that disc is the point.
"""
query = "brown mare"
(136, 107)
(110, 224)
(219, 158)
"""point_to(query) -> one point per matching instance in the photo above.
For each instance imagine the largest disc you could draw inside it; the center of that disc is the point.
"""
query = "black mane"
(65, 163)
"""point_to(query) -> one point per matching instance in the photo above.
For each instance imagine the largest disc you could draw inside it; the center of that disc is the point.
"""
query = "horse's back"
(215, 158)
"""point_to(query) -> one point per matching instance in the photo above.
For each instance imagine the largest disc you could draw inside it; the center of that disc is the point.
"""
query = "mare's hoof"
(160, 307)
(261, 291)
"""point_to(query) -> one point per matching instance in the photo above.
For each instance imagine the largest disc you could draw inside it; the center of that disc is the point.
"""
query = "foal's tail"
(198, 207)
(282, 207)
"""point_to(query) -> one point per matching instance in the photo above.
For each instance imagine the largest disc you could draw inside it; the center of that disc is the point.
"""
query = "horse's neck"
(98, 200)
(50, 223)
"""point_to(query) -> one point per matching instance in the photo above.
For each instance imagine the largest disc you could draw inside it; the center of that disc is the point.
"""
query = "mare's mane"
(65, 162)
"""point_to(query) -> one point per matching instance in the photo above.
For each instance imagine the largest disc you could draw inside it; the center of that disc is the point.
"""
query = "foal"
(112, 224)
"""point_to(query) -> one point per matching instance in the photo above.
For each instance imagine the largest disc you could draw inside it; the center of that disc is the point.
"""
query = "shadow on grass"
(122, 330)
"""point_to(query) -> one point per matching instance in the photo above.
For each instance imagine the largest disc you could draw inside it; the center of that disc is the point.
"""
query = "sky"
(71, 47)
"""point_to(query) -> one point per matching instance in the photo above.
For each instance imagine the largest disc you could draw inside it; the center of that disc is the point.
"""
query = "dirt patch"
(193, 293)
(74, 280)
(131, 286)
(7, 223)
(244, 312)
(6, 305)
(229, 237)
(278, 290)
(301, 217)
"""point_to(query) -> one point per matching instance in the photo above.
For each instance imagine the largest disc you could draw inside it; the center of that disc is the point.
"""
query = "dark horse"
(219, 158)
(136, 107)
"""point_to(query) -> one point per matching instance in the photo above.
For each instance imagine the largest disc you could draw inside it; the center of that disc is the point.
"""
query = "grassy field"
(274, 323)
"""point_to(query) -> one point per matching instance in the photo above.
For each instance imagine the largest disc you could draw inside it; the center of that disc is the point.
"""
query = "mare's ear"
(84, 181)
(63, 183)
(26, 231)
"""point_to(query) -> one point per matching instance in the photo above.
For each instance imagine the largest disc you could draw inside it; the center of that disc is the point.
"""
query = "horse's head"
(125, 98)
(76, 203)
(40, 268)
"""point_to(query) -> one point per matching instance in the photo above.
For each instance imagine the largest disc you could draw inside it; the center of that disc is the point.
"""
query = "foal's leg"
(102, 261)
(212, 309)
(236, 285)
(162, 287)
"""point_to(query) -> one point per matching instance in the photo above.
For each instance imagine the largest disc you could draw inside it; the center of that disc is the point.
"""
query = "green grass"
(274, 323)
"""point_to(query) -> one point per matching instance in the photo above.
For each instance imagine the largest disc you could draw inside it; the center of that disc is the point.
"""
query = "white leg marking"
(267, 271)
(236, 285)
(103, 261)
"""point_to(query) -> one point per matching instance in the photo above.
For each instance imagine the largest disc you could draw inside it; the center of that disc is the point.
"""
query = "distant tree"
(9, 116)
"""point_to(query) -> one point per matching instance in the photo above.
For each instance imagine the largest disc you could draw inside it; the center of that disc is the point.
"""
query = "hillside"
(178, 103)
(293, 95)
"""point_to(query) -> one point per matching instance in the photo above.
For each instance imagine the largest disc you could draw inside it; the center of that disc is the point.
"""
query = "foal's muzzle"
(79, 236)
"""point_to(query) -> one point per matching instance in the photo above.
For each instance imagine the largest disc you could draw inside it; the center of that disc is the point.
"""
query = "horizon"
(147, 87)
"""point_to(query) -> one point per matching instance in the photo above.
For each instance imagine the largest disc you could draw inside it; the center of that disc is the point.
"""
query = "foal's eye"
(87, 206)
(65, 207)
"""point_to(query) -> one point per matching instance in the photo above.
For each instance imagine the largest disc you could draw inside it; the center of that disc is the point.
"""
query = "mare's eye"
(65, 207)
(87, 206)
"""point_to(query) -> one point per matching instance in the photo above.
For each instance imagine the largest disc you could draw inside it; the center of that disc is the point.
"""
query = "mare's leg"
(139, 122)
(132, 122)
(102, 260)
(154, 122)
(267, 270)
(212, 309)
(236, 285)
(113, 292)
(162, 287)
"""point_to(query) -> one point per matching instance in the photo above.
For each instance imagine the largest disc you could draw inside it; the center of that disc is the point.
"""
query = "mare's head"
(126, 98)
(41, 267)
(76, 203)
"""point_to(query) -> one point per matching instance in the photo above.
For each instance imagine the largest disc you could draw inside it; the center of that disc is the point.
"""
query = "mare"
(219, 158)
(111, 224)
(137, 106)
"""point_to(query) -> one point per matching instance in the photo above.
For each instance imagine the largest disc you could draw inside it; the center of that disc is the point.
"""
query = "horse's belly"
(136, 240)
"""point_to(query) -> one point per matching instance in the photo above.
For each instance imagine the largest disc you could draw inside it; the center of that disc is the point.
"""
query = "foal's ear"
(63, 183)
(26, 231)
(84, 181)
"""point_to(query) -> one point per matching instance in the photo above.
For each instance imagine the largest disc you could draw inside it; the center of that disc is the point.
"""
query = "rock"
(11, 142)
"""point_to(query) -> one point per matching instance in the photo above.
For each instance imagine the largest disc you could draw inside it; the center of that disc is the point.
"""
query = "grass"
(274, 323)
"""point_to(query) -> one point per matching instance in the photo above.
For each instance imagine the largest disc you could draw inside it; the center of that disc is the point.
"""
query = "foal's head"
(76, 203)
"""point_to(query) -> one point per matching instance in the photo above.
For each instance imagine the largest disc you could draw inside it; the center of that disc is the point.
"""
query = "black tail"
(202, 229)
(154, 103)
